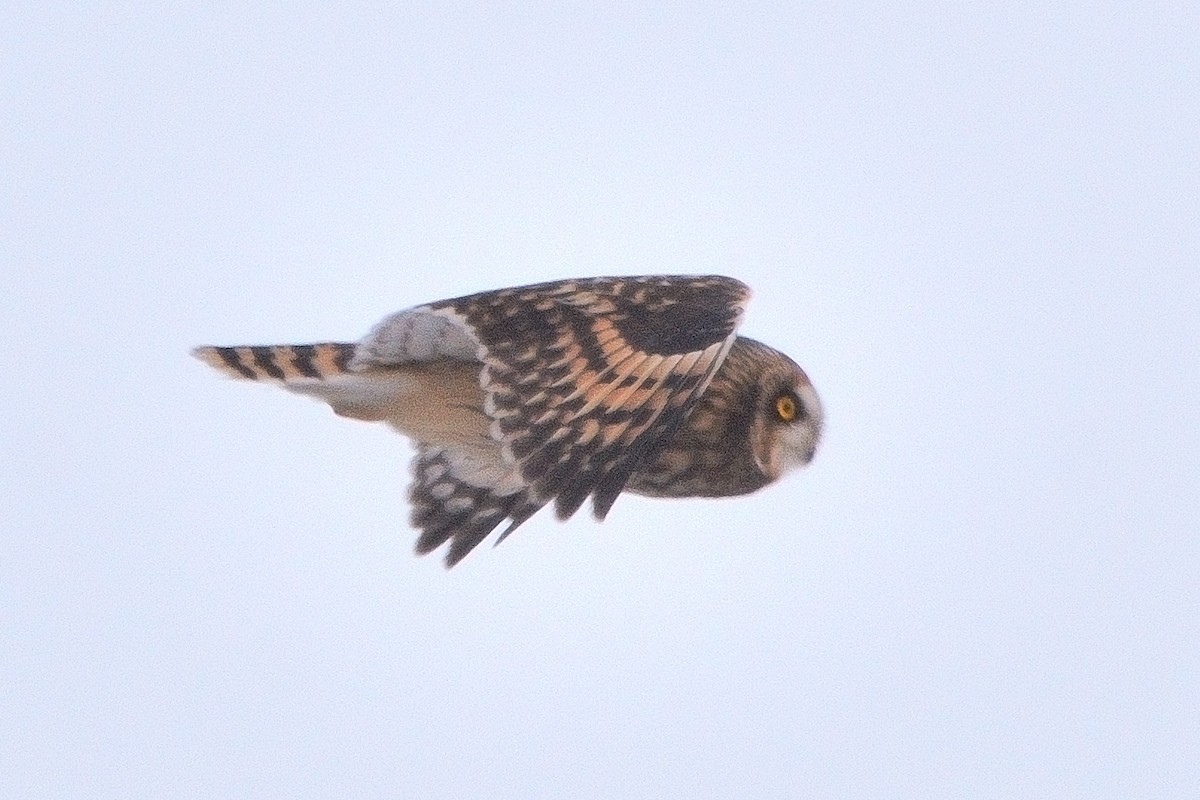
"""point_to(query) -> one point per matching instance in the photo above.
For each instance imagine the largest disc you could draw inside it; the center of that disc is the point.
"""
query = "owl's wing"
(461, 499)
(584, 379)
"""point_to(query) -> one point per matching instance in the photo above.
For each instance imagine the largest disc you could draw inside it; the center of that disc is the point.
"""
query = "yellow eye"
(785, 407)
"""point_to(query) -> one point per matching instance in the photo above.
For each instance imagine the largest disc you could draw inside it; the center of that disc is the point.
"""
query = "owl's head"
(787, 419)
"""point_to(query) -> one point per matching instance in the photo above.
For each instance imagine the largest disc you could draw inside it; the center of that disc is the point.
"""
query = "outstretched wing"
(584, 379)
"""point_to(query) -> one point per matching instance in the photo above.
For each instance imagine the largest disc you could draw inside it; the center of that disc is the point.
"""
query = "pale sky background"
(976, 226)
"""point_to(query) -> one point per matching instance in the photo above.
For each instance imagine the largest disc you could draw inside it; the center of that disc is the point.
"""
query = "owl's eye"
(787, 406)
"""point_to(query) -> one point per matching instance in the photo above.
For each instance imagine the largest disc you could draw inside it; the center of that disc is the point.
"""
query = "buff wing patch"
(585, 379)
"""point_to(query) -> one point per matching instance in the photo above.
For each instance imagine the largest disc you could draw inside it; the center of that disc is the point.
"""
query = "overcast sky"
(975, 226)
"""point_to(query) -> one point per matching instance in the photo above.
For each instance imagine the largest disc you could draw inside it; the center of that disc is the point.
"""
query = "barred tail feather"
(321, 371)
(280, 363)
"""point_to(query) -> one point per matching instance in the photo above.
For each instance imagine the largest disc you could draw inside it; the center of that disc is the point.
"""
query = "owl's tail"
(321, 371)
(286, 363)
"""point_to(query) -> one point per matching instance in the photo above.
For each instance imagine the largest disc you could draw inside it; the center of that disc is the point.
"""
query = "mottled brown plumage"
(558, 392)
(725, 447)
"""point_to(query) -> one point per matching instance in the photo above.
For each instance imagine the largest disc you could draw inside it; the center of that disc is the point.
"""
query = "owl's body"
(558, 392)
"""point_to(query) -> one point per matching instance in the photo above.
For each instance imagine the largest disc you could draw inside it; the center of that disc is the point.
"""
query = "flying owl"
(558, 392)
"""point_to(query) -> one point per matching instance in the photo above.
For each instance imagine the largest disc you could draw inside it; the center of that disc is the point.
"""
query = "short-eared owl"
(558, 392)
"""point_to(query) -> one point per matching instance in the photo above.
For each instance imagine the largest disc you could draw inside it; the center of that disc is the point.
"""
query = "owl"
(561, 391)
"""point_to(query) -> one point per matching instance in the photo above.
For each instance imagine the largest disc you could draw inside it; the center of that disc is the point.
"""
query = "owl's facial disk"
(789, 426)
(799, 436)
